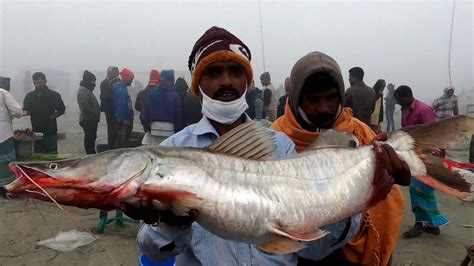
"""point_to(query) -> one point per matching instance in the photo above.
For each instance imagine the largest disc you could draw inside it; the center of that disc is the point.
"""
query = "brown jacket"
(361, 99)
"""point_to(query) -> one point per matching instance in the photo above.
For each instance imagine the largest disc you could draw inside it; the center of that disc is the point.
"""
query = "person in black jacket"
(44, 106)
(107, 104)
(282, 100)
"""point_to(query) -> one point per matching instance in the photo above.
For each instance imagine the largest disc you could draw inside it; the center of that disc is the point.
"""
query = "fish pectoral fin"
(251, 140)
(281, 246)
(297, 235)
(334, 139)
(179, 201)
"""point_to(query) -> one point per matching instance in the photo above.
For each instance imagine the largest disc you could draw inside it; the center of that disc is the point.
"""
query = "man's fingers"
(380, 137)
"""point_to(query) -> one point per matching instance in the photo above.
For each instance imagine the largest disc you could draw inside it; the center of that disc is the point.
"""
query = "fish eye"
(53, 166)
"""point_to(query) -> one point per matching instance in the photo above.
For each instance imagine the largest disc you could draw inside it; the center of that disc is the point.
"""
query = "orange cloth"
(378, 233)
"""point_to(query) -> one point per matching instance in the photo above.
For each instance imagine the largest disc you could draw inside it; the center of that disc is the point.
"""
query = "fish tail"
(420, 141)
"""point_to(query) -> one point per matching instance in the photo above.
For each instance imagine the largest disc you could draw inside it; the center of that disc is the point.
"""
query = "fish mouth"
(28, 179)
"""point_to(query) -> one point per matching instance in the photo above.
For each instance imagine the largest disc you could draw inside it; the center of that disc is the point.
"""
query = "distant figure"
(359, 97)
(446, 105)
(90, 110)
(143, 95)
(390, 107)
(107, 104)
(9, 108)
(255, 102)
(377, 114)
(423, 200)
(44, 106)
(270, 97)
(191, 104)
(282, 100)
(471, 150)
(162, 115)
(181, 86)
(123, 108)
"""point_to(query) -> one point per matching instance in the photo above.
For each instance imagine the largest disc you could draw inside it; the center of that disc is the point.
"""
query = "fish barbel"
(271, 203)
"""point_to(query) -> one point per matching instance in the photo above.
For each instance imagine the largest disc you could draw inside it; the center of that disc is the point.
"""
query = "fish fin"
(297, 235)
(281, 246)
(440, 177)
(179, 201)
(250, 140)
(441, 134)
(333, 139)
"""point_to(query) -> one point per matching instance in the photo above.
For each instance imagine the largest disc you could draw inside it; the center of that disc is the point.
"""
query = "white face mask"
(223, 112)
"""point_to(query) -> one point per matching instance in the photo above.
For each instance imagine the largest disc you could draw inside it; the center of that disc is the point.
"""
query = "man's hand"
(388, 161)
(149, 215)
(54, 116)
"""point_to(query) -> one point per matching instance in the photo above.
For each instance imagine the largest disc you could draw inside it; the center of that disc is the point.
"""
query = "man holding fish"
(316, 100)
(221, 73)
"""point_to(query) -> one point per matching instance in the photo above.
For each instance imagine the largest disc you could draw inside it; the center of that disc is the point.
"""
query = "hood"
(181, 86)
(167, 75)
(312, 63)
(445, 92)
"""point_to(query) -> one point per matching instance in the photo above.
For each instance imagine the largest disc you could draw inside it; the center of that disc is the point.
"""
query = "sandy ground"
(21, 227)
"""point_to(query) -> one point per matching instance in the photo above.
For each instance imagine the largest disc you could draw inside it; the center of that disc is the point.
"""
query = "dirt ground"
(21, 227)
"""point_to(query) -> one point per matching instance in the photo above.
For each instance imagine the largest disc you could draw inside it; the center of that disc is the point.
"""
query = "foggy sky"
(402, 42)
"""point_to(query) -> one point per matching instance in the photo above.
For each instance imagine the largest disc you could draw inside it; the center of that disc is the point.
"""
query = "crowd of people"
(222, 95)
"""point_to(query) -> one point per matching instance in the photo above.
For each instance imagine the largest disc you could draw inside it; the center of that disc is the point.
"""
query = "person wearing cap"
(123, 108)
(162, 113)
(221, 73)
(44, 106)
(143, 94)
(446, 105)
(315, 104)
(90, 110)
(9, 108)
(270, 99)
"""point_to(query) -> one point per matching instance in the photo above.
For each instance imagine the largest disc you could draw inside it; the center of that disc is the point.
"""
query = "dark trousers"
(111, 130)
(49, 144)
(124, 134)
(90, 135)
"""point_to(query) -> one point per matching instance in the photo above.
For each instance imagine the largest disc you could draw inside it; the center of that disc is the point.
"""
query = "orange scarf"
(378, 232)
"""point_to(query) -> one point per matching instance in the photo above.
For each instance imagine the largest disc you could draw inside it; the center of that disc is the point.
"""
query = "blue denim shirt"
(197, 246)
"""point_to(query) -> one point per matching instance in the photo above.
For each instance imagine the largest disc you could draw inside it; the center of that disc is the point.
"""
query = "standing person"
(255, 102)
(90, 110)
(123, 108)
(360, 97)
(162, 115)
(44, 106)
(221, 72)
(9, 108)
(107, 104)
(377, 114)
(390, 103)
(282, 100)
(270, 97)
(316, 97)
(143, 95)
(446, 105)
(423, 200)
(181, 87)
(190, 103)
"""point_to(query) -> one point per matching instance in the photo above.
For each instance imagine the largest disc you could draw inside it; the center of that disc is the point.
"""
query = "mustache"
(226, 90)
(322, 119)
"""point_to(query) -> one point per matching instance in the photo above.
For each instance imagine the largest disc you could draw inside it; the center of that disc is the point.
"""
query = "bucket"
(145, 261)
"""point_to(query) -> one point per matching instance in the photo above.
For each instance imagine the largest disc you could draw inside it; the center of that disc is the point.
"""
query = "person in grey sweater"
(90, 111)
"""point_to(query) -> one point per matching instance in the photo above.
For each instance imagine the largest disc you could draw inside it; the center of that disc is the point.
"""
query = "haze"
(402, 42)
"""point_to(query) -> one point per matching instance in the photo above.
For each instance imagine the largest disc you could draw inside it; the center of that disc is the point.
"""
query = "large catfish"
(271, 203)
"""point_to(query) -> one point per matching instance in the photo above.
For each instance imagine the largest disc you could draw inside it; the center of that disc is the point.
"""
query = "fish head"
(92, 178)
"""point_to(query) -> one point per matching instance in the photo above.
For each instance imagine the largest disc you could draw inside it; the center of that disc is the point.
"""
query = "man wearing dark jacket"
(44, 106)
(107, 104)
(90, 111)
(360, 97)
(282, 100)
(190, 102)
(143, 95)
